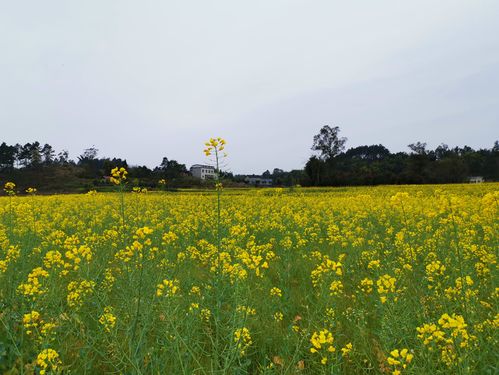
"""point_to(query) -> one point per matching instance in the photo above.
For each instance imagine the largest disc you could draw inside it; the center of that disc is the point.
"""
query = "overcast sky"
(146, 79)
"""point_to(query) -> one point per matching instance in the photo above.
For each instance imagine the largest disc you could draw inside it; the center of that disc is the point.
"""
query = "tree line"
(375, 164)
(40, 166)
(37, 165)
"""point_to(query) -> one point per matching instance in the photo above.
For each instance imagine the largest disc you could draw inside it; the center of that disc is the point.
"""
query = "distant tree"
(419, 161)
(17, 155)
(418, 148)
(139, 172)
(277, 171)
(88, 155)
(171, 169)
(62, 157)
(327, 142)
(7, 156)
(35, 154)
(368, 153)
(24, 155)
(266, 174)
(314, 170)
(91, 166)
(48, 154)
(226, 175)
(442, 151)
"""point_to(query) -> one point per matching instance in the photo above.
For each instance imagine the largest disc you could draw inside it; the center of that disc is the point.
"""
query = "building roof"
(202, 166)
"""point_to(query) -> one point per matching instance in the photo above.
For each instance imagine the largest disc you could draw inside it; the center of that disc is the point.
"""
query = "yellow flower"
(215, 145)
(108, 319)
(346, 349)
(48, 360)
(242, 338)
(399, 359)
(322, 342)
(275, 292)
(168, 288)
(118, 175)
(9, 188)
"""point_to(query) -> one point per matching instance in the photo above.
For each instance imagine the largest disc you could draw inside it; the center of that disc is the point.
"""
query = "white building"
(476, 179)
(258, 181)
(204, 172)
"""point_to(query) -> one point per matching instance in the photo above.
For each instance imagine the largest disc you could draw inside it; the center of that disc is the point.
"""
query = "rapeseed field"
(371, 280)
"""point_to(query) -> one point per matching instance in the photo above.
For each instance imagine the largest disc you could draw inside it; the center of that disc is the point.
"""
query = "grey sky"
(147, 79)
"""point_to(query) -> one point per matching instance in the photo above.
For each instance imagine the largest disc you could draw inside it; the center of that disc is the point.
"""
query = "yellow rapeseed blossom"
(366, 285)
(322, 344)
(118, 175)
(168, 288)
(242, 339)
(386, 286)
(78, 291)
(449, 337)
(33, 287)
(214, 145)
(275, 292)
(108, 319)
(9, 188)
(48, 361)
(278, 316)
(346, 349)
(398, 360)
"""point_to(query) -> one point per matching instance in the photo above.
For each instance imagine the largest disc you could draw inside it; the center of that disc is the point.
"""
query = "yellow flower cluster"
(31, 321)
(136, 249)
(13, 253)
(9, 188)
(34, 324)
(108, 319)
(77, 291)
(275, 292)
(246, 310)
(386, 286)
(118, 175)
(168, 288)
(205, 314)
(31, 190)
(70, 262)
(48, 360)
(278, 316)
(366, 285)
(336, 288)
(169, 238)
(76, 255)
(322, 344)
(399, 359)
(214, 145)
(242, 339)
(33, 287)
(461, 288)
(434, 271)
(345, 351)
(449, 336)
(326, 267)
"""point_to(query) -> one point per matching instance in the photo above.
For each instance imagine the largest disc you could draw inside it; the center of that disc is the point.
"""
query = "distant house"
(204, 172)
(476, 179)
(258, 181)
